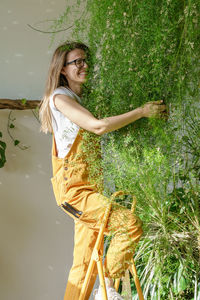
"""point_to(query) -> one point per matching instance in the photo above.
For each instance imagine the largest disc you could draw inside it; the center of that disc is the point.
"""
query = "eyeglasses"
(79, 62)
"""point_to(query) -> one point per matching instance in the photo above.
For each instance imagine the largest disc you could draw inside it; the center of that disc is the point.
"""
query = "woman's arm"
(84, 119)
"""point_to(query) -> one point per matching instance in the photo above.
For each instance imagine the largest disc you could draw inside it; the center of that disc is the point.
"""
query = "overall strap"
(54, 149)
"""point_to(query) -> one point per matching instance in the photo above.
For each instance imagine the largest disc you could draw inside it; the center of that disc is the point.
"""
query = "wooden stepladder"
(97, 259)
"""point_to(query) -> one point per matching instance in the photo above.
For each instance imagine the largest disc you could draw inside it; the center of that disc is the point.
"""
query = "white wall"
(36, 236)
(25, 53)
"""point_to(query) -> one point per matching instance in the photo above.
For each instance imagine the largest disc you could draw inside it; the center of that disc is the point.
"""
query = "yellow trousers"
(81, 200)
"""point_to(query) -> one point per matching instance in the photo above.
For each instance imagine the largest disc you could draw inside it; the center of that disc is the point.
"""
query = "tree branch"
(18, 104)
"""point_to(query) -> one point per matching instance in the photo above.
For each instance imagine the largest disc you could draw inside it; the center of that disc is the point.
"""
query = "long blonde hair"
(56, 79)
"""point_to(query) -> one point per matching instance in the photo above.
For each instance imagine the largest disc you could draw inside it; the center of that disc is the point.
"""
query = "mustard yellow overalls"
(81, 200)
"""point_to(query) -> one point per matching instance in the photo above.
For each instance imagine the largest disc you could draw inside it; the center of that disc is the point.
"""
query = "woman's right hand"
(154, 109)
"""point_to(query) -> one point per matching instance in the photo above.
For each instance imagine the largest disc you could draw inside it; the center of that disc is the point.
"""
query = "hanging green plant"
(144, 51)
(10, 125)
(20, 104)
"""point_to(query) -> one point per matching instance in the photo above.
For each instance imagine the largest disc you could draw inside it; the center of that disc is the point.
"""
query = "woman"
(62, 114)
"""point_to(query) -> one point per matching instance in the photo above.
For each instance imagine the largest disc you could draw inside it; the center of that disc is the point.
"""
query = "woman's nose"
(85, 64)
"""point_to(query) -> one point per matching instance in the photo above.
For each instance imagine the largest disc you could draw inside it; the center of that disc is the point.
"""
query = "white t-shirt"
(65, 131)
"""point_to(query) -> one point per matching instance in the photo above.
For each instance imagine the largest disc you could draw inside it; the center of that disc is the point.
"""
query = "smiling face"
(75, 76)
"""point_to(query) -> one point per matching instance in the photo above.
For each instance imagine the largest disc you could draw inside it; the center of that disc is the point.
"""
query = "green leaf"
(185, 138)
(23, 101)
(2, 145)
(2, 152)
(2, 158)
(12, 125)
(182, 284)
(16, 142)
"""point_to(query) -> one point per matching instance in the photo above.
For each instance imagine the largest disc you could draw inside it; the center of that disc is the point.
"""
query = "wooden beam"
(19, 104)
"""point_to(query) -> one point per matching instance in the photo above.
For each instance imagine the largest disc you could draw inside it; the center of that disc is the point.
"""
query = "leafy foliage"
(142, 51)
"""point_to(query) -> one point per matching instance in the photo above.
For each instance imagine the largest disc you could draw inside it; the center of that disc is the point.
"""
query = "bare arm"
(83, 118)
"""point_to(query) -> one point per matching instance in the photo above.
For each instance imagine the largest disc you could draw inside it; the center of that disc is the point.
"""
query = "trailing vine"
(21, 105)
(10, 125)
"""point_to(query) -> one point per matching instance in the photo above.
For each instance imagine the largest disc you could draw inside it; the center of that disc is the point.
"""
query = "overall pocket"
(58, 186)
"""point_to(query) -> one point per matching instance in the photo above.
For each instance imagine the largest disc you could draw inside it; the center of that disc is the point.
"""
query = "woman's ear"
(63, 71)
